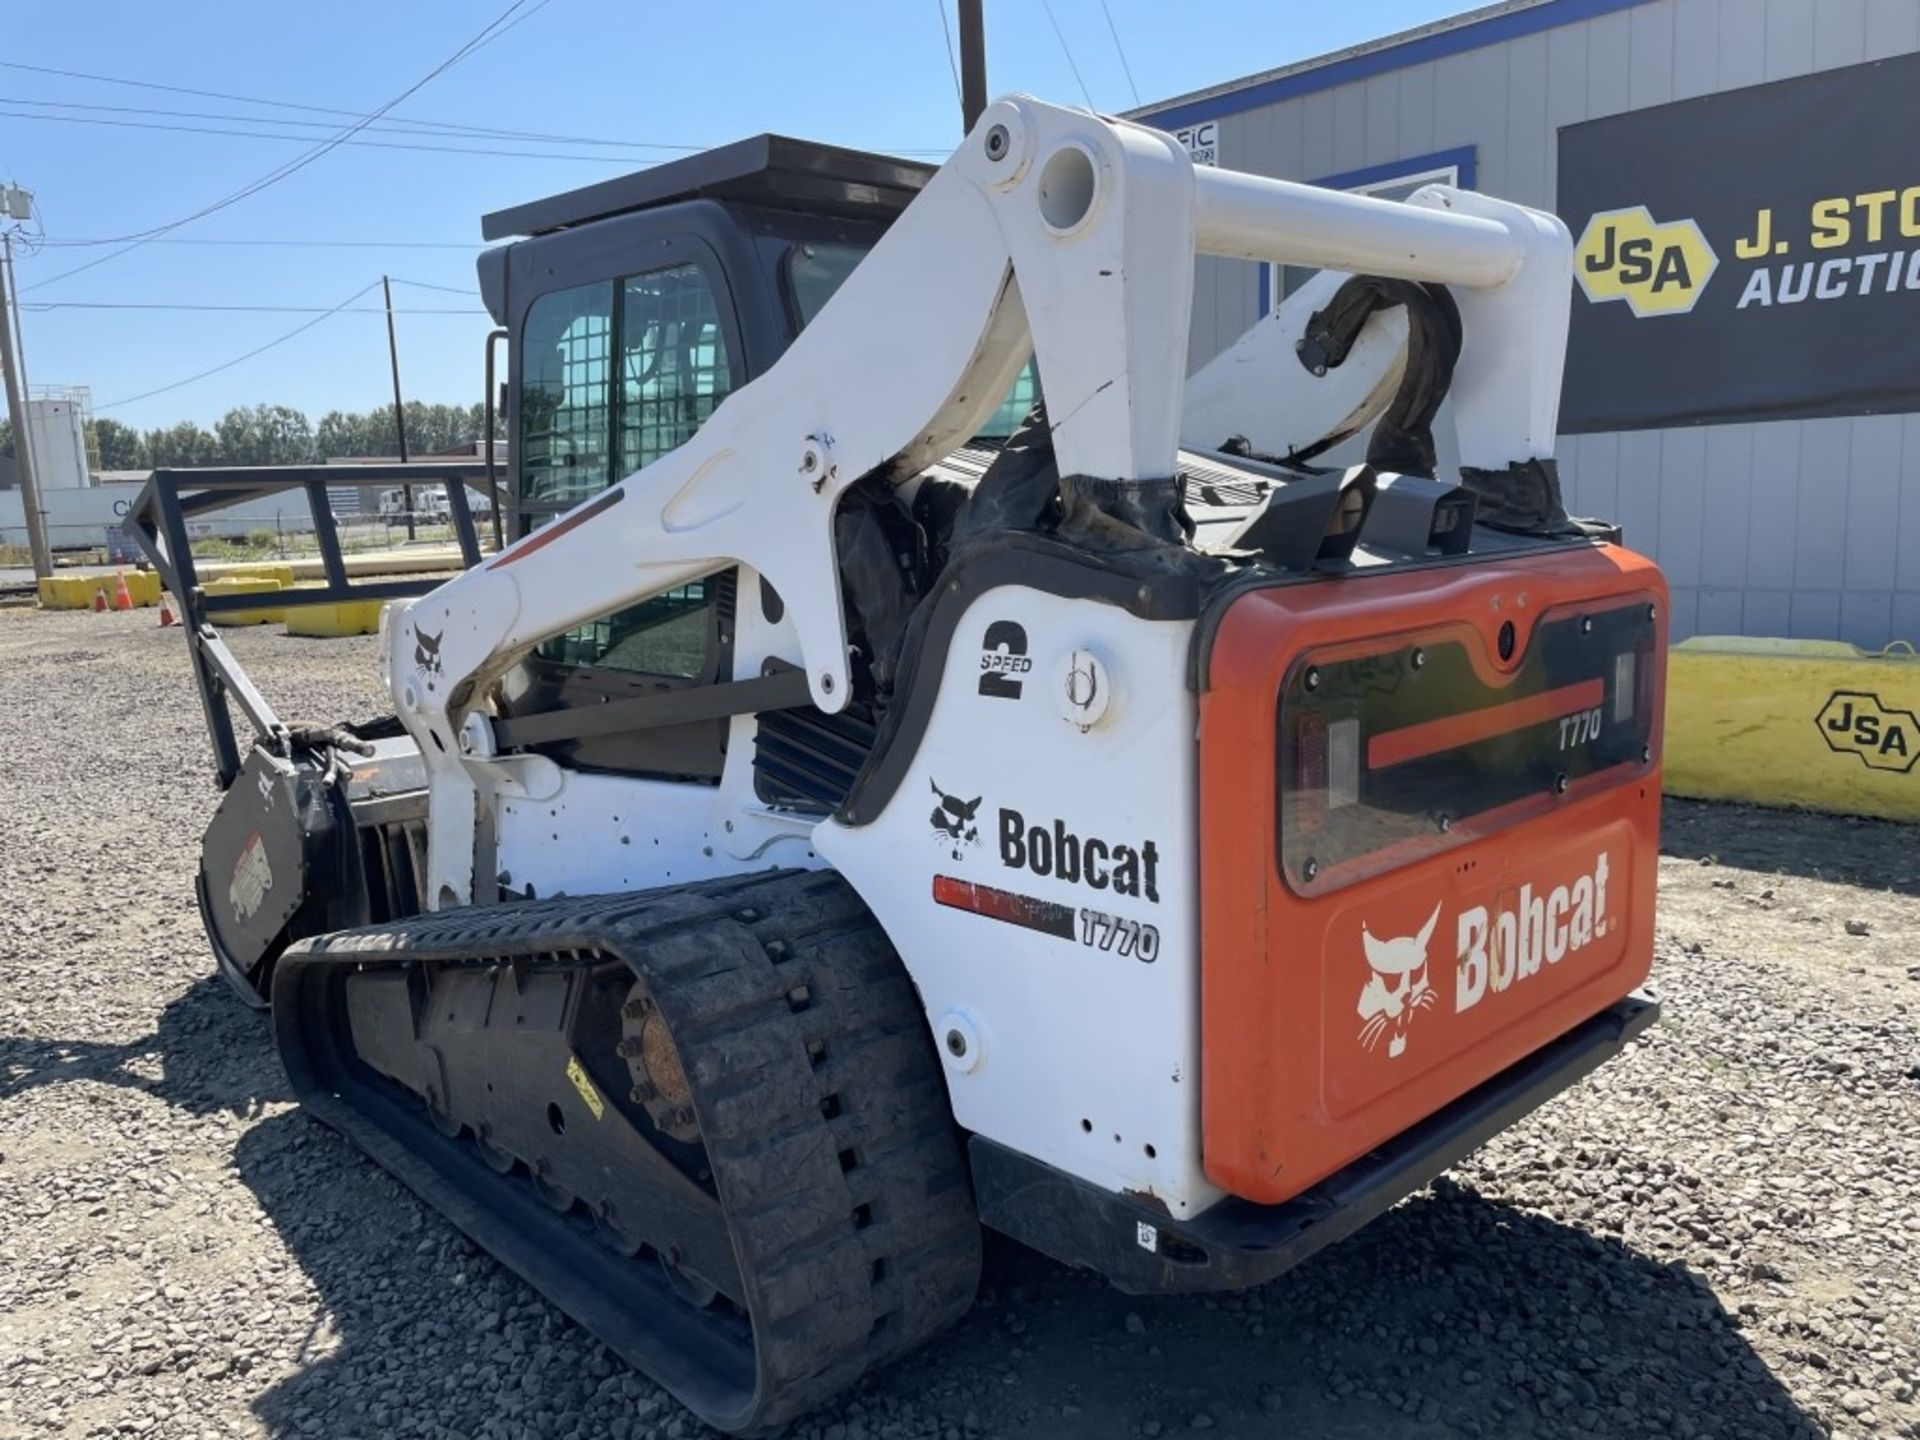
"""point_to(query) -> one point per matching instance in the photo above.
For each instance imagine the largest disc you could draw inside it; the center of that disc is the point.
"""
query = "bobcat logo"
(1386, 1007)
(426, 651)
(952, 819)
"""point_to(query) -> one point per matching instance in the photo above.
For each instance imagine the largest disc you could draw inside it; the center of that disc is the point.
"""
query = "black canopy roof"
(771, 170)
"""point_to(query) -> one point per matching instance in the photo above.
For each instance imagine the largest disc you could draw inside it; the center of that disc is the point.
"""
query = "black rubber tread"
(819, 1098)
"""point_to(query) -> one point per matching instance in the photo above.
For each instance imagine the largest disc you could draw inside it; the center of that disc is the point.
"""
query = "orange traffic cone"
(122, 597)
(166, 611)
(99, 599)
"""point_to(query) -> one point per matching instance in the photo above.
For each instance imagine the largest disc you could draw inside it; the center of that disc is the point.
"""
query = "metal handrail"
(158, 524)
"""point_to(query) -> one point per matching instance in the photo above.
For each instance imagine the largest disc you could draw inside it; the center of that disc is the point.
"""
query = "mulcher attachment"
(705, 1122)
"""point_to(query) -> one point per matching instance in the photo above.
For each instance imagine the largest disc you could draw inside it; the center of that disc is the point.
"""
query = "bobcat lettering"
(1544, 927)
(1102, 864)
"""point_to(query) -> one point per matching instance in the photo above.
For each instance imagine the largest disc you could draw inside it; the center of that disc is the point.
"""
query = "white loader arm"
(1506, 387)
(1257, 389)
(1050, 231)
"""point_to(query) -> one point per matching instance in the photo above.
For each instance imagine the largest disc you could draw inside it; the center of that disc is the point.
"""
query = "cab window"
(815, 271)
(564, 399)
(616, 375)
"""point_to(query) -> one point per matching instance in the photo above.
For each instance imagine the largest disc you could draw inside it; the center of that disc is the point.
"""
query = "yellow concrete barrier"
(423, 561)
(348, 617)
(247, 585)
(75, 592)
(69, 592)
(143, 588)
(281, 572)
(1810, 723)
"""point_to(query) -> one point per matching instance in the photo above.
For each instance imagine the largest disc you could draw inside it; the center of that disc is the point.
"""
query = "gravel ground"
(1718, 1235)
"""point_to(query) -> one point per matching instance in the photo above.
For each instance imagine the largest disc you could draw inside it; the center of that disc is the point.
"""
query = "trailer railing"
(174, 499)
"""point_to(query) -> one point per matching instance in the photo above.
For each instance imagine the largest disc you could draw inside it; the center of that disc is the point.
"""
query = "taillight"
(1396, 748)
(1626, 689)
(1343, 763)
(1326, 772)
(1310, 773)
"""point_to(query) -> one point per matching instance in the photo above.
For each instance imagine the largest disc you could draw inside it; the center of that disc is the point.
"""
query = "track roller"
(706, 1122)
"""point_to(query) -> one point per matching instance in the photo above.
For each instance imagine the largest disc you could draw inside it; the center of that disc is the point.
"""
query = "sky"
(867, 73)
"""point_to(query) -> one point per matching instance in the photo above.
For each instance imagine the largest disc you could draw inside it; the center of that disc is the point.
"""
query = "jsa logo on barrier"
(1658, 269)
(1883, 737)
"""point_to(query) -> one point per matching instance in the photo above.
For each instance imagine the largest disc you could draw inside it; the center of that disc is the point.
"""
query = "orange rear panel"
(1364, 965)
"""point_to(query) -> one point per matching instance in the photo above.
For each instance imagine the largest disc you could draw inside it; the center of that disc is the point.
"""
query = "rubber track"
(819, 1097)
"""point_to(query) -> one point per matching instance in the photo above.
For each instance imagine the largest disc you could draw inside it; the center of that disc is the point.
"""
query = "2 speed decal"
(1004, 660)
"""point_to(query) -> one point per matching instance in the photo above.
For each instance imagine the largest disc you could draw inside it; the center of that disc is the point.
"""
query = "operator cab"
(633, 307)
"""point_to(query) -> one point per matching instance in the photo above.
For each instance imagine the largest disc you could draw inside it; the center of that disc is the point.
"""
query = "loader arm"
(1051, 232)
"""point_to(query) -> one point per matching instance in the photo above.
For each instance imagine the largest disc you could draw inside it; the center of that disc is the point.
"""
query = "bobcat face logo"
(426, 651)
(1397, 987)
(952, 820)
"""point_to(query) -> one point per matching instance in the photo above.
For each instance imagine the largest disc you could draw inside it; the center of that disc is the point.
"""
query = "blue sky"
(870, 73)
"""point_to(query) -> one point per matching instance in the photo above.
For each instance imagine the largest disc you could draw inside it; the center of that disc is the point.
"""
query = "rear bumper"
(1236, 1243)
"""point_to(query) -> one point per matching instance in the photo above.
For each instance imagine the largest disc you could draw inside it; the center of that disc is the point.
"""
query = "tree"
(264, 435)
(477, 421)
(181, 445)
(342, 433)
(282, 435)
(118, 446)
(346, 433)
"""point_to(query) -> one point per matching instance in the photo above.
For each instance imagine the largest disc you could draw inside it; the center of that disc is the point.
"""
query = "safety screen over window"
(666, 635)
(615, 376)
(673, 362)
(565, 415)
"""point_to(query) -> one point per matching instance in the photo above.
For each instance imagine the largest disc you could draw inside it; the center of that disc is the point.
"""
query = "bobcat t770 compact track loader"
(922, 760)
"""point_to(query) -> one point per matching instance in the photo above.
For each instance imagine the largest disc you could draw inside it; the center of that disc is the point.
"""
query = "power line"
(300, 162)
(447, 125)
(1120, 50)
(952, 63)
(300, 329)
(1067, 50)
(468, 245)
(308, 139)
(401, 126)
(429, 285)
(212, 307)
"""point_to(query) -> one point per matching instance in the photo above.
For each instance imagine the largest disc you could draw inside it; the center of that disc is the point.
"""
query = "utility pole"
(34, 516)
(399, 410)
(973, 62)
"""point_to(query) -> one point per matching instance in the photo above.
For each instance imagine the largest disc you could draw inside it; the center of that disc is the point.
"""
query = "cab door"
(612, 373)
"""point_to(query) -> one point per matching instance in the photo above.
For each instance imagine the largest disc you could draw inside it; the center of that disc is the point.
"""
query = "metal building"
(1806, 525)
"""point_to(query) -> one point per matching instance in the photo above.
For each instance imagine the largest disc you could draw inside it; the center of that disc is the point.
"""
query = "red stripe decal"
(552, 531)
(1024, 910)
(1450, 732)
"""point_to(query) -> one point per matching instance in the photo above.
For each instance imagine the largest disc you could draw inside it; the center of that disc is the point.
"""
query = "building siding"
(1809, 528)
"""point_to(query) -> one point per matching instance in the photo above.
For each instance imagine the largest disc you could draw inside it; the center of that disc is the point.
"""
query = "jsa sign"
(1750, 255)
(1884, 737)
